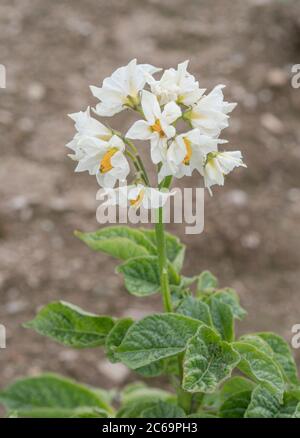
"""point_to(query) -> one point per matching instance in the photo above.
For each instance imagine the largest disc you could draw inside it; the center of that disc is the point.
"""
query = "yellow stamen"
(189, 151)
(157, 128)
(105, 163)
(137, 201)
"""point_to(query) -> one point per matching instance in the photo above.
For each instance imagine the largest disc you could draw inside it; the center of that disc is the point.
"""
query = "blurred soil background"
(53, 50)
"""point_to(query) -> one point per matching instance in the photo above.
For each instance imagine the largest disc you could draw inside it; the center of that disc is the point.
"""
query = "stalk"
(162, 262)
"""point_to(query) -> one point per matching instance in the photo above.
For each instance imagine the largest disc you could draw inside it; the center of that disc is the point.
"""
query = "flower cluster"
(161, 104)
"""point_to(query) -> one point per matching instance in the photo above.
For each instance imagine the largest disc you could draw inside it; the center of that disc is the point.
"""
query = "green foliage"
(282, 355)
(174, 248)
(229, 296)
(124, 243)
(263, 404)
(196, 309)
(236, 405)
(222, 317)
(118, 241)
(163, 410)
(234, 385)
(194, 344)
(116, 336)
(156, 337)
(141, 275)
(51, 396)
(137, 398)
(71, 326)
(260, 367)
(208, 361)
(207, 283)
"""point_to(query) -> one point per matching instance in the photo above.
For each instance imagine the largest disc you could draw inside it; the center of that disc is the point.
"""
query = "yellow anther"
(189, 151)
(105, 163)
(157, 128)
(137, 201)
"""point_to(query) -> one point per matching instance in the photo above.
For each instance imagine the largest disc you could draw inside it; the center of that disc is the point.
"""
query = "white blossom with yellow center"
(219, 164)
(210, 113)
(187, 153)
(136, 196)
(122, 88)
(86, 126)
(176, 85)
(105, 159)
(157, 127)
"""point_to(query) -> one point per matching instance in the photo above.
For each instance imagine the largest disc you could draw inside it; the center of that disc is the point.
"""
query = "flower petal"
(171, 112)
(150, 107)
(140, 130)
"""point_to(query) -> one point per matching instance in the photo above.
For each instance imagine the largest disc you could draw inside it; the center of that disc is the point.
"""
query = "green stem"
(185, 400)
(138, 167)
(163, 263)
(137, 161)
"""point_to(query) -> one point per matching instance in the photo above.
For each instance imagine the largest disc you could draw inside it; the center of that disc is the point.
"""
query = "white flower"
(86, 126)
(176, 85)
(157, 127)
(219, 164)
(122, 88)
(187, 153)
(136, 196)
(105, 159)
(209, 114)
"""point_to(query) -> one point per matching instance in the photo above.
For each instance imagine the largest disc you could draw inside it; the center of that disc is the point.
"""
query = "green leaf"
(282, 355)
(121, 242)
(61, 413)
(229, 296)
(263, 404)
(174, 248)
(134, 409)
(236, 405)
(153, 370)
(295, 413)
(196, 309)
(260, 367)
(163, 410)
(202, 414)
(291, 406)
(141, 275)
(116, 336)
(71, 326)
(258, 343)
(208, 361)
(222, 318)
(90, 413)
(138, 391)
(155, 337)
(209, 401)
(138, 397)
(234, 385)
(49, 393)
(207, 282)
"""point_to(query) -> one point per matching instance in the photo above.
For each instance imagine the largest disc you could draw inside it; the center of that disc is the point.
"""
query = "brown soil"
(52, 51)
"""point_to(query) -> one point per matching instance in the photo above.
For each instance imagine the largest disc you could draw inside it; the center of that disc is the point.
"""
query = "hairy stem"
(163, 263)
